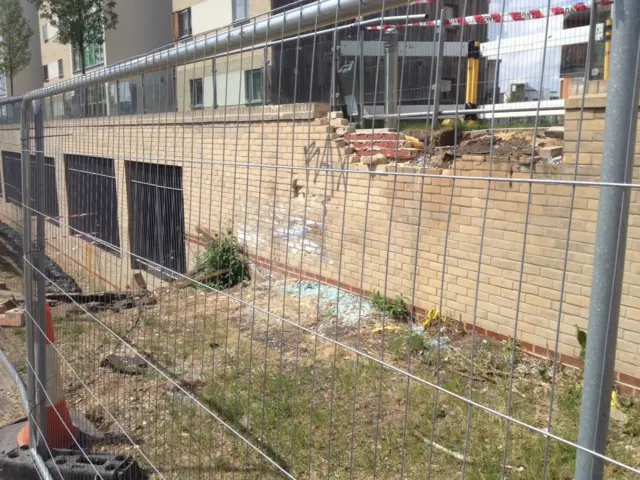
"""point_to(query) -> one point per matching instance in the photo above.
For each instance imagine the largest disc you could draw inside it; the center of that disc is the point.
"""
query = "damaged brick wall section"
(294, 194)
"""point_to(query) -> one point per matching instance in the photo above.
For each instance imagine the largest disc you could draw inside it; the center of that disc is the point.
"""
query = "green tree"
(80, 23)
(15, 33)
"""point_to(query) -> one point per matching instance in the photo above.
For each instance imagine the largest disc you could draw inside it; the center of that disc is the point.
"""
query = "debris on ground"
(332, 301)
(79, 304)
(12, 246)
(502, 145)
(126, 365)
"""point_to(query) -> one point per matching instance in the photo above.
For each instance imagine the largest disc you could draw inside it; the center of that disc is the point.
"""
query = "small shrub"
(223, 253)
(511, 351)
(415, 342)
(633, 424)
(581, 335)
(394, 307)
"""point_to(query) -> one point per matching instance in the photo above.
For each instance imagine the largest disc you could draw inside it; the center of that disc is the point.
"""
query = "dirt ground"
(322, 382)
(271, 365)
(513, 143)
(503, 145)
(10, 403)
(13, 346)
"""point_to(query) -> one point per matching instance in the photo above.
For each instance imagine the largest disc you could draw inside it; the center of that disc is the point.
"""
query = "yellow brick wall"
(383, 229)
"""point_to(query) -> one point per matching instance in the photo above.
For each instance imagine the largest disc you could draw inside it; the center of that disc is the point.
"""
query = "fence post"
(361, 74)
(445, 14)
(611, 235)
(391, 78)
(38, 116)
(25, 113)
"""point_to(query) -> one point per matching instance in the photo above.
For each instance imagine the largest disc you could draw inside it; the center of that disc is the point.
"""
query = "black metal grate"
(12, 169)
(93, 201)
(157, 217)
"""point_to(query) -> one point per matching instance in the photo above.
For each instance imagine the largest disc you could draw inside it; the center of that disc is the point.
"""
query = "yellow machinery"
(607, 47)
(473, 75)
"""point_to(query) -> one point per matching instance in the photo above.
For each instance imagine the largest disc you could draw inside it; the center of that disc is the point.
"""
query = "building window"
(45, 69)
(94, 55)
(181, 24)
(157, 234)
(45, 32)
(12, 170)
(60, 68)
(93, 201)
(240, 10)
(253, 85)
(195, 85)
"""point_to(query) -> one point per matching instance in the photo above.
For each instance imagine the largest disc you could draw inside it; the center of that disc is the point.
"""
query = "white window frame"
(192, 83)
(248, 86)
(187, 12)
(245, 5)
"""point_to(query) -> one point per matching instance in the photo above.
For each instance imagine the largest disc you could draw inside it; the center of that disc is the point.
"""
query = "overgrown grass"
(327, 413)
(355, 418)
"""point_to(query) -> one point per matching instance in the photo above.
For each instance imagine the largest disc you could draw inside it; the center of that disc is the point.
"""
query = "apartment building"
(229, 79)
(574, 54)
(30, 77)
(142, 27)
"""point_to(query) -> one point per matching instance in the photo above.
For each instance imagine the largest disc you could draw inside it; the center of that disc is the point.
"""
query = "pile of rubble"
(382, 146)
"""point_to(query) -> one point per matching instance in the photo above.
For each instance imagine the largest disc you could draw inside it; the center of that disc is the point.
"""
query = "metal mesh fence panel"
(264, 255)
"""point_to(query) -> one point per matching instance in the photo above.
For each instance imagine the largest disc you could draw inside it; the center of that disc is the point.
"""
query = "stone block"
(550, 152)
(12, 318)
(555, 132)
(339, 122)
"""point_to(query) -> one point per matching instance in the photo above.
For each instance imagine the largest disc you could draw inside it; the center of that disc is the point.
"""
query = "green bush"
(394, 307)
(223, 254)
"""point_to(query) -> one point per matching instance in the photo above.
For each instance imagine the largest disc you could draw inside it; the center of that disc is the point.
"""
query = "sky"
(527, 66)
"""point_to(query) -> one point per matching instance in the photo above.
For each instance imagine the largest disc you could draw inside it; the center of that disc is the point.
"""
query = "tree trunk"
(85, 90)
(11, 85)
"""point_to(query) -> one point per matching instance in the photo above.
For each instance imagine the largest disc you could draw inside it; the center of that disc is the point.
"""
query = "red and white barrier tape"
(486, 18)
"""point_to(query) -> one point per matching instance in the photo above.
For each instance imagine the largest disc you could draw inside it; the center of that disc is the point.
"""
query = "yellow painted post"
(476, 77)
(469, 93)
(473, 73)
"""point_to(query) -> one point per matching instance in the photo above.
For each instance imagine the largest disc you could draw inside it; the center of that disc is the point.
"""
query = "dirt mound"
(505, 143)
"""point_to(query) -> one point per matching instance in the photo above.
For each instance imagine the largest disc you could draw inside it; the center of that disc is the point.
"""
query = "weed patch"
(394, 307)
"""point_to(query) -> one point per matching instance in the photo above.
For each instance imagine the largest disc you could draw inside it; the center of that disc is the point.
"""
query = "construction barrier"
(484, 19)
(60, 431)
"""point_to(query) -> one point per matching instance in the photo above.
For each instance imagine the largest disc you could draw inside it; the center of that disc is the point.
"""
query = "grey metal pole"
(593, 19)
(38, 115)
(611, 235)
(361, 75)
(391, 78)
(26, 268)
(445, 13)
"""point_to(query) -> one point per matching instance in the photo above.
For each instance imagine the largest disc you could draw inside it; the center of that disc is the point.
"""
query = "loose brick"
(12, 318)
(550, 152)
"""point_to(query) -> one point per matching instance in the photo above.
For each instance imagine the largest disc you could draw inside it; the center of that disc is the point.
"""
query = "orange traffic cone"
(60, 430)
